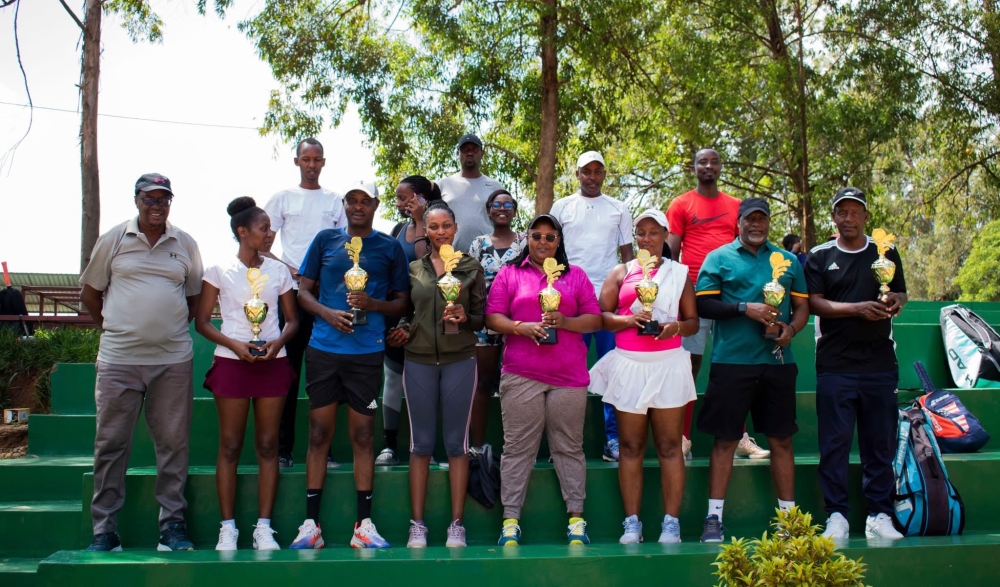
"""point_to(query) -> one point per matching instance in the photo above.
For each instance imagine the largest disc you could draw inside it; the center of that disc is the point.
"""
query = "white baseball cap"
(589, 157)
(655, 214)
(367, 187)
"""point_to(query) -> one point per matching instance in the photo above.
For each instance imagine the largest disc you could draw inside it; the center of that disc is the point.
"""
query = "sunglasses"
(550, 237)
(150, 201)
(504, 205)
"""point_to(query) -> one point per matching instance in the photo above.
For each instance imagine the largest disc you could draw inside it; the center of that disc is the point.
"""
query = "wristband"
(516, 324)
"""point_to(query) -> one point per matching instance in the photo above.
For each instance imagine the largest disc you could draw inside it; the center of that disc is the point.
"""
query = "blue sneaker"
(713, 530)
(611, 451)
(670, 530)
(633, 531)
(107, 542)
(174, 537)
(576, 532)
(510, 535)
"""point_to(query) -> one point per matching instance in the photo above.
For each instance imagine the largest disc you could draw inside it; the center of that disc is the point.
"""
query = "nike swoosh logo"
(368, 497)
(311, 494)
(696, 221)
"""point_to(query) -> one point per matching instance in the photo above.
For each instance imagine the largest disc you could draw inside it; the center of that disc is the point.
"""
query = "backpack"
(925, 503)
(955, 427)
(12, 304)
(484, 476)
(973, 348)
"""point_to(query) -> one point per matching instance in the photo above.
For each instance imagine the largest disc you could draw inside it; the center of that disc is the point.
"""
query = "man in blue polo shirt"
(750, 374)
(344, 361)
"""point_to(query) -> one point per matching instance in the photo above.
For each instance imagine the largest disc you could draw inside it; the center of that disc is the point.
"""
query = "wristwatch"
(742, 307)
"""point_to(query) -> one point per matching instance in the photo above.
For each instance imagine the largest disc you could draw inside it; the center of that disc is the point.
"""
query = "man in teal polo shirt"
(750, 374)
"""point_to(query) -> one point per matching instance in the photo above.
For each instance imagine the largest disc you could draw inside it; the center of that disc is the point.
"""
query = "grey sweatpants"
(449, 387)
(167, 391)
(530, 407)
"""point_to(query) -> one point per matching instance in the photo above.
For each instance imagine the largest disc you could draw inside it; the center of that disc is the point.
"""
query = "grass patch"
(27, 363)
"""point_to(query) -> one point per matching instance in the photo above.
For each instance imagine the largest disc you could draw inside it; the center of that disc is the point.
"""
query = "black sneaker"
(174, 538)
(285, 461)
(107, 542)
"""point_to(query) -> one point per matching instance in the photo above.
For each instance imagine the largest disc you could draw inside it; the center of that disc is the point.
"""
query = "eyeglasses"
(550, 237)
(504, 205)
(150, 201)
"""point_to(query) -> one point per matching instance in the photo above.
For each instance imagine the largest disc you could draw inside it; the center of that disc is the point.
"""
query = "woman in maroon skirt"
(244, 371)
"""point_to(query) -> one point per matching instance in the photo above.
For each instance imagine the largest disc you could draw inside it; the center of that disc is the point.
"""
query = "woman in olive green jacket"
(440, 369)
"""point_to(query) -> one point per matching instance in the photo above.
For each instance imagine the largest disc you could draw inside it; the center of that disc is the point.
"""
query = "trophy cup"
(256, 309)
(356, 279)
(449, 285)
(774, 292)
(883, 269)
(646, 291)
(550, 297)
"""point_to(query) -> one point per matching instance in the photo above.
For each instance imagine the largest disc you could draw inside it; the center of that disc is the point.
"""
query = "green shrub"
(23, 360)
(795, 555)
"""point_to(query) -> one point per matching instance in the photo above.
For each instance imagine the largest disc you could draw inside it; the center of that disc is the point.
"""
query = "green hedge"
(22, 359)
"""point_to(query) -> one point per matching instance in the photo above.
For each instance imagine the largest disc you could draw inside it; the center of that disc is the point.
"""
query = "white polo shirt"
(593, 229)
(298, 214)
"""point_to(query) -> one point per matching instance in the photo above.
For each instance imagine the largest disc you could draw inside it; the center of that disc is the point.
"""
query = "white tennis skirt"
(635, 381)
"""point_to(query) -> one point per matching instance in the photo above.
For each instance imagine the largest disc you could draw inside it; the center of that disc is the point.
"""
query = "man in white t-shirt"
(297, 215)
(466, 193)
(597, 229)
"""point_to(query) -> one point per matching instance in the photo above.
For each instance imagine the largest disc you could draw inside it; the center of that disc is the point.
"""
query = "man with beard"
(750, 374)
(466, 193)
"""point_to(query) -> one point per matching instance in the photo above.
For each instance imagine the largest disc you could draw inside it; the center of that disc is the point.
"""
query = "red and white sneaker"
(310, 537)
(366, 536)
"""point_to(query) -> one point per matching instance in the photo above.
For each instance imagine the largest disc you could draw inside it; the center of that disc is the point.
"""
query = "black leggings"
(449, 387)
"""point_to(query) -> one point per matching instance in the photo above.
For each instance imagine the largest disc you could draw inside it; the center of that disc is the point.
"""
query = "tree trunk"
(90, 73)
(549, 136)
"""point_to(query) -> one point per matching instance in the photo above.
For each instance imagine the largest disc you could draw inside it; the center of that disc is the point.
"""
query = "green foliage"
(25, 359)
(138, 19)
(795, 555)
(978, 277)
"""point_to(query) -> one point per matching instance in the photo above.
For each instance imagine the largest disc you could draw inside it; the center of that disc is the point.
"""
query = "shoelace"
(578, 529)
(418, 530)
(631, 526)
(511, 530)
(265, 529)
(752, 443)
(173, 533)
(713, 525)
(671, 527)
(613, 445)
(455, 530)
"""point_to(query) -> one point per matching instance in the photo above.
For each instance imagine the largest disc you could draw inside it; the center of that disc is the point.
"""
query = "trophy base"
(450, 328)
(651, 328)
(772, 332)
(256, 352)
(359, 317)
(551, 336)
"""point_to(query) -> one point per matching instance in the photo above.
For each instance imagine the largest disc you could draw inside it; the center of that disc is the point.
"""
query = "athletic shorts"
(695, 344)
(766, 392)
(354, 380)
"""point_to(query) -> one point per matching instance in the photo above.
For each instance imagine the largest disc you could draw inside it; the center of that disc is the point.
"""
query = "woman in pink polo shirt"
(648, 378)
(542, 386)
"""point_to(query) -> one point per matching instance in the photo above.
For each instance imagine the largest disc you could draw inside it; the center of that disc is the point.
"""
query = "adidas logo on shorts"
(373, 405)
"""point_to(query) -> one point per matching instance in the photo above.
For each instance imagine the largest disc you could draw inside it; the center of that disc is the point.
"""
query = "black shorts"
(767, 392)
(354, 380)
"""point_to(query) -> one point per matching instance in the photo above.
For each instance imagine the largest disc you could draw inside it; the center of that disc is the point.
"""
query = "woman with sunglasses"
(244, 372)
(414, 195)
(440, 371)
(647, 378)
(493, 251)
(542, 386)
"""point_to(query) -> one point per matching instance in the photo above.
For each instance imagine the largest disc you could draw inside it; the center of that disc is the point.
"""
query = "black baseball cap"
(152, 181)
(470, 138)
(850, 193)
(751, 205)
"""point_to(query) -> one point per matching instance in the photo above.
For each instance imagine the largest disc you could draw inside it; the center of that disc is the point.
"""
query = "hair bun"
(240, 204)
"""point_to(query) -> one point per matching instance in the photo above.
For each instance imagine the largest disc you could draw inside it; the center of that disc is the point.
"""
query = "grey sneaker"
(331, 463)
(456, 535)
(386, 458)
(611, 451)
(633, 531)
(418, 536)
(670, 530)
(713, 530)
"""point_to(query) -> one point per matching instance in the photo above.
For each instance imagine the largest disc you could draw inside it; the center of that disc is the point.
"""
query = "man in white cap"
(466, 193)
(596, 229)
(344, 360)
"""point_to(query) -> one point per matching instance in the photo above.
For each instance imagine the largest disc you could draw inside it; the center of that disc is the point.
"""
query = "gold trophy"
(449, 285)
(356, 279)
(256, 309)
(550, 297)
(883, 269)
(774, 292)
(646, 291)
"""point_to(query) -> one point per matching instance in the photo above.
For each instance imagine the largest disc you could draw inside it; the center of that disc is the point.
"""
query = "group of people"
(709, 256)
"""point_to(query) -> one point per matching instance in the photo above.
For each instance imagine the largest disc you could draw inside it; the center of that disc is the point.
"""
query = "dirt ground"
(13, 441)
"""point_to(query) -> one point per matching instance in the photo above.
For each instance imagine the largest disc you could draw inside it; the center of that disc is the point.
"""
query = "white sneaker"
(880, 526)
(366, 536)
(837, 527)
(686, 448)
(633, 531)
(670, 530)
(263, 538)
(748, 449)
(456, 535)
(418, 536)
(227, 538)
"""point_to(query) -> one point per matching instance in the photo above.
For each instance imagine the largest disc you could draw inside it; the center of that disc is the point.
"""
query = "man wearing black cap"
(466, 193)
(856, 368)
(750, 374)
(141, 288)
